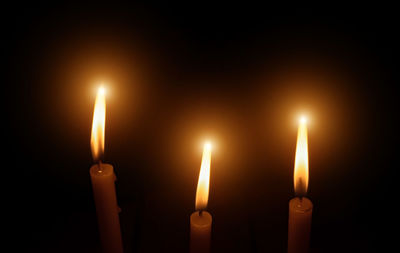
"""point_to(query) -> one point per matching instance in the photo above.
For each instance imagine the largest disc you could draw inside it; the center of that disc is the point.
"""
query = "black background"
(176, 75)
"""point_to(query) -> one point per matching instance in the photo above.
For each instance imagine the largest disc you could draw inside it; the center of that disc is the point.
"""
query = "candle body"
(103, 182)
(300, 215)
(200, 232)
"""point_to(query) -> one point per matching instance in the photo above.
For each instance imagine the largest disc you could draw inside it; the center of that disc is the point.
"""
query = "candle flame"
(98, 126)
(301, 160)
(204, 178)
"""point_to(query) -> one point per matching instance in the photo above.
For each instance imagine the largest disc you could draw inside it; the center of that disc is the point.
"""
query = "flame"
(301, 160)
(204, 178)
(98, 126)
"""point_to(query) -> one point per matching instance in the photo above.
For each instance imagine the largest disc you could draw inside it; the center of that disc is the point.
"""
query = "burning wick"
(300, 207)
(103, 182)
(201, 220)
(100, 169)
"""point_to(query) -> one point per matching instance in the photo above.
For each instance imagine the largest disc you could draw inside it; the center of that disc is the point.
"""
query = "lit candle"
(201, 220)
(103, 182)
(300, 207)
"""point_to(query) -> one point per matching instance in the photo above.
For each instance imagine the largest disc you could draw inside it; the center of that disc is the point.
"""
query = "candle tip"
(102, 90)
(207, 145)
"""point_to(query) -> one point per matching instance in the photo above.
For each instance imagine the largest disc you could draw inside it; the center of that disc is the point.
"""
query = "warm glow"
(98, 126)
(204, 178)
(303, 119)
(301, 160)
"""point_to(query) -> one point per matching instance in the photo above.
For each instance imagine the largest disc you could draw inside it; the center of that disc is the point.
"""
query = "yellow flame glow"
(204, 178)
(301, 160)
(98, 126)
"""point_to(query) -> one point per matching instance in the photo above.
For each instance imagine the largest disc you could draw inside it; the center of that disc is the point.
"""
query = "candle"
(201, 220)
(300, 207)
(103, 183)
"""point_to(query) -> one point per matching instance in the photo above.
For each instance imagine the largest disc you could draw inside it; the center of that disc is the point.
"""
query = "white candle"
(103, 183)
(300, 214)
(300, 208)
(200, 221)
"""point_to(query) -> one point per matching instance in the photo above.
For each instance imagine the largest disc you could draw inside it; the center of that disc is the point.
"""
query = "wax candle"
(201, 220)
(300, 207)
(103, 183)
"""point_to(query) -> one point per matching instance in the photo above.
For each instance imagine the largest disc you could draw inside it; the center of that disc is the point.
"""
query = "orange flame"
(98, 126)
(204, 178)
(301, 160)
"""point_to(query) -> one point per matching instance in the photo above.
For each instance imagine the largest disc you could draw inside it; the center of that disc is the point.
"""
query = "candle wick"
(99, 167)
(201, 212)
(301, 201)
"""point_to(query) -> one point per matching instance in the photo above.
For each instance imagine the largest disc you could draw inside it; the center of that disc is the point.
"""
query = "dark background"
(176, 75)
